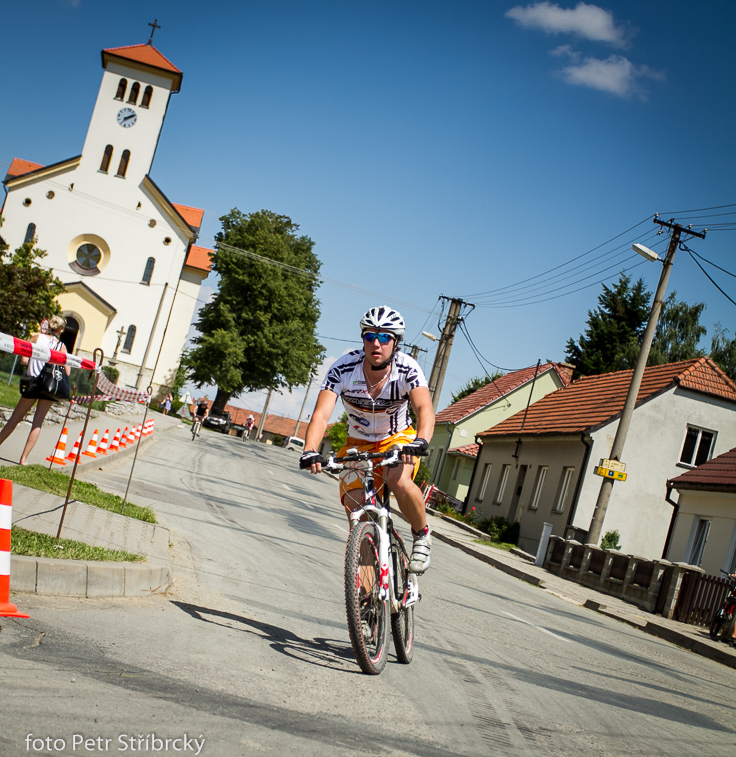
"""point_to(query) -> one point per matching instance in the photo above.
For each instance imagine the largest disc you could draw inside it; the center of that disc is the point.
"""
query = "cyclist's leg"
(408, 495)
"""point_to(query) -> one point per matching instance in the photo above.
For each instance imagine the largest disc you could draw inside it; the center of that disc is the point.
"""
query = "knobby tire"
(402, 622)
(370, 648)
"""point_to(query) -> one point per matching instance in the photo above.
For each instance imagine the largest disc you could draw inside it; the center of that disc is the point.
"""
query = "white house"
(704, 527)
(540, 468)
(124, 251)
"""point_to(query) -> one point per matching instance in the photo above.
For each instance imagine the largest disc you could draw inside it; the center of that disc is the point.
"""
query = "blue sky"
(427, 148)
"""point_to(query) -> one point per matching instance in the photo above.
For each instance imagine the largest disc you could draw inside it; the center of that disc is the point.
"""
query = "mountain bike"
(722, 620)
(379, 590)
(195, 428)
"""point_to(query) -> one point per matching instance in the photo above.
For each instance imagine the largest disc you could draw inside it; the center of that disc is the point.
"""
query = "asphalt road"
(250, 652)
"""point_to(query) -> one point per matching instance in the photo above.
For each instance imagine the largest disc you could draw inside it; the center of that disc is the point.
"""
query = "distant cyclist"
(377, 384)
(201, 412)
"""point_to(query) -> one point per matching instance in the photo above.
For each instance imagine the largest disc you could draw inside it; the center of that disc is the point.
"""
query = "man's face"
(378, 346)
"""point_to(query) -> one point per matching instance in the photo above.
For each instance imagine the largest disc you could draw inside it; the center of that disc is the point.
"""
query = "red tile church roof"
(148, 55)
(193, 216)
(592, 401)
(199, 257)
(19, 166)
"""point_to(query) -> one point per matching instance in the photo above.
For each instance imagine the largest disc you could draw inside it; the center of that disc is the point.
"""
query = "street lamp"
(596, 523)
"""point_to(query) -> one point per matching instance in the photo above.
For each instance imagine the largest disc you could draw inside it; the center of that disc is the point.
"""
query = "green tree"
(338, 432)
(614, 329)
(678, 332)
(723, 351)
(475, 383)
(28, 291)
(258, 331)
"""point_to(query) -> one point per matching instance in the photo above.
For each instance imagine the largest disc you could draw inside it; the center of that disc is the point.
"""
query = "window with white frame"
(538, 485)
(502, 481)
(698, 446)
(701, 538)
(484, 482)
(564, 488)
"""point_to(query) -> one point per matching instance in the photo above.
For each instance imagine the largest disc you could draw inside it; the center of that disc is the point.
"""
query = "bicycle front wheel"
(402, 622)
(367, 613)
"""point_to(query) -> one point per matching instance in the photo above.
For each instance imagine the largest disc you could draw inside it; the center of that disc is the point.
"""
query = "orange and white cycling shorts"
(351, 480)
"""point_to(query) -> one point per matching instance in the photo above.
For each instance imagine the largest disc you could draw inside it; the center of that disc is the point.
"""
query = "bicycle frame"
(380, 515)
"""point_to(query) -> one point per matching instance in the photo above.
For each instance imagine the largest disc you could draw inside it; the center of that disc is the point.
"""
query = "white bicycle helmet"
(383, 319)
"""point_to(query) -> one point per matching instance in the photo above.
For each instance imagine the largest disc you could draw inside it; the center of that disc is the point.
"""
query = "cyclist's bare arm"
(325, 405)
(421, 402)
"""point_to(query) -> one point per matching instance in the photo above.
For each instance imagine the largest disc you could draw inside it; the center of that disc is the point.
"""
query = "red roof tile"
(19, 166)
(493, 391)
(469, 450)
(592, 401)
(716, 475)
(199, 257)
(193, 216)
(147, 55)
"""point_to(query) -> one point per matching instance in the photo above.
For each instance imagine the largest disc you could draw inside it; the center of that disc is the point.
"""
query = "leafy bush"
(424, 475)
(500, 530)
(610, 540)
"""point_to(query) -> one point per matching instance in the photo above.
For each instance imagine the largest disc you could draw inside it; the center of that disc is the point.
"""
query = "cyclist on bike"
(377, 383)
(201, 412)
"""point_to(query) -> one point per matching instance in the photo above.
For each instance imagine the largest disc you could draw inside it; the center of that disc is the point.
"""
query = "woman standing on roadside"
(29, 397)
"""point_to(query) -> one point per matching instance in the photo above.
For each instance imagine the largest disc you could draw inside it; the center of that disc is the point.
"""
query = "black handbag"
(53, 383)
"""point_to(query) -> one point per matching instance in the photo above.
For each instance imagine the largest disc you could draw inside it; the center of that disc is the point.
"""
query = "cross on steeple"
(155, 25)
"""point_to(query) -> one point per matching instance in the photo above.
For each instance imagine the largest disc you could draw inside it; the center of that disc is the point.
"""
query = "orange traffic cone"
(74, 454)
(124, 438)
(92, 446)
(115, 446)
(102, 446)
(150, 431)
(146, 429)
(58, 454)
(131, 436)
(7, 608)
(138, 430)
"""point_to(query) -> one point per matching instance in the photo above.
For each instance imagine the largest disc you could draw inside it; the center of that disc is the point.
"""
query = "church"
(125, 252)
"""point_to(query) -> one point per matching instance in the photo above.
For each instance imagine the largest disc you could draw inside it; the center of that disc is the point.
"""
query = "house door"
(514, 515)
(70, 333)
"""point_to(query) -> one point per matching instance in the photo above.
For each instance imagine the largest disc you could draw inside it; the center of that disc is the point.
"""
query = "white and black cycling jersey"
(368, 418)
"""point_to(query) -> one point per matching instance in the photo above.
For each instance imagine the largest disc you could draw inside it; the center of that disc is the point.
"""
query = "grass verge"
(42, 545)
(505, 546)
(55, 482)
(9, 395)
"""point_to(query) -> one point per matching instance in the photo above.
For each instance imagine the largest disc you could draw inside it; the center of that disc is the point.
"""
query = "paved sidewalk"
(694, 638)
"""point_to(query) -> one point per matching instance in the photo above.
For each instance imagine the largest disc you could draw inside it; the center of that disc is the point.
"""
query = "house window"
(697, 447)
(502, 484)
(123, 167)
(456, 468)
(147, 94)
(538, 484)
(106, 158)
(148, 273)
(134, 90)
(565, 481)
(122, 86)
(484, 482)
(129, 339)
(30, 233)
(701, 537)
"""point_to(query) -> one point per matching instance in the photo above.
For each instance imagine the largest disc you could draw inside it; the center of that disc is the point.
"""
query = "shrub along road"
(250, 650)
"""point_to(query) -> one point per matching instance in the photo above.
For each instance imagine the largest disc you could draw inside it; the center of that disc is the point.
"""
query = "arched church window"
(147, 94)
(106, 158)
(122, 86)
(31, 234)
(123, 166)
(134, 90)
(148, 273)
(129, 339)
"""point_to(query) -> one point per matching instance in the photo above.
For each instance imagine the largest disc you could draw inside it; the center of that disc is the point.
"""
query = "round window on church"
(88, 256)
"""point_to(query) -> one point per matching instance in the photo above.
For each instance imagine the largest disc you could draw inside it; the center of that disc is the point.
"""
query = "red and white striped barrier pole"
(7, 608)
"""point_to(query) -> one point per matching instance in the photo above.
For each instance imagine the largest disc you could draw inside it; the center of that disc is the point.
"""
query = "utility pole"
(304, 402)
(441, 358)
(414, 350)
(596, 523)
(262, 420)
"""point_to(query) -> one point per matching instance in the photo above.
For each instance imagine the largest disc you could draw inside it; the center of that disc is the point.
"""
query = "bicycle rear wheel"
(367, 613)
(402, 622)
(722, 618)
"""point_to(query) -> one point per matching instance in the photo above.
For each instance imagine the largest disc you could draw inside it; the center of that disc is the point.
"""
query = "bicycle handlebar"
(391, 457)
